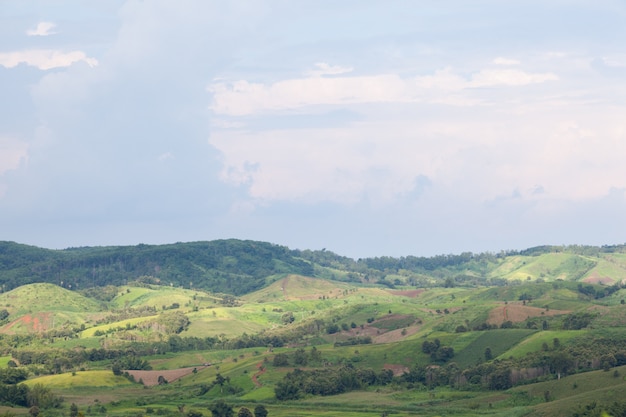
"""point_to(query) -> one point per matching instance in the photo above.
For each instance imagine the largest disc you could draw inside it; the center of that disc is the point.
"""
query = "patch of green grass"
(118, 324)
(534, 342)
(499, 341)
(80, 379)
(568, 394)
(34, 298)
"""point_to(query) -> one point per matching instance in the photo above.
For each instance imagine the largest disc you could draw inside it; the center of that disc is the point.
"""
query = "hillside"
(312, 333)
(461, 350)
(240, 267)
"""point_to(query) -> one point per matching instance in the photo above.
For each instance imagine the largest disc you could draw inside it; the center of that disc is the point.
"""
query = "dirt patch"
(407, 293)
(398, 370)
(517, 313)
(597, 279)
(32, 323)
(396, 335)
(384, 330)
(151, 378)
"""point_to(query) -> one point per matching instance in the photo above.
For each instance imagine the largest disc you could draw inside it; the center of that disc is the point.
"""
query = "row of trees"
(329, 381)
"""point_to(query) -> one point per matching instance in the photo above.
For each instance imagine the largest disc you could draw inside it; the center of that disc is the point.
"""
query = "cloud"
(12, 153)
(615, 60)
(45, 59)
(506, 61)
(42, 29)
(244, 98)
(326, 69)
(491, 78)
(568, 152)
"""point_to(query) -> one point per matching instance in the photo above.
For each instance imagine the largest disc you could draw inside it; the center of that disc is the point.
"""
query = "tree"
(288, 318)
(73, 410)
(315, 354)
(221, 409)
(244, 412)
(560, 362)
(300, 357)
(220, 380)
(260, 411)
(488, 354)
(281, 359)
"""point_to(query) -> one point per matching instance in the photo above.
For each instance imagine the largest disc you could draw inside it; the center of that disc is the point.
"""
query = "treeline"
(228, 266)
(238, 267)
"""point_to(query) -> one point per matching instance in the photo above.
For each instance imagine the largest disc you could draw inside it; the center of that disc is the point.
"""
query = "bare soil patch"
(597, 279)
(516, 313)
(151, 378)
(396, 335)
(406, 293)
(385, 330)
(38, 323)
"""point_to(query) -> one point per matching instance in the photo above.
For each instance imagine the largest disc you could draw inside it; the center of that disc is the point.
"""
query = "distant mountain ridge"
(242, 266)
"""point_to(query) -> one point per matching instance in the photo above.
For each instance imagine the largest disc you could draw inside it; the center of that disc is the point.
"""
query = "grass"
(568, 394)
(34, 298)
(80, 379)
(499, 341)
(535, 341)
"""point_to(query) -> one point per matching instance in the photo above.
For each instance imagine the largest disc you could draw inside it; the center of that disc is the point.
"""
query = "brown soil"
(596, 279)
(37, 323)
(407, 293)
(255, 377)
(517, 312)
(151, 378)
(396, 335)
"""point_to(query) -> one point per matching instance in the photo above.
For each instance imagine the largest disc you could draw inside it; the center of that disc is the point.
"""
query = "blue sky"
(368, 128)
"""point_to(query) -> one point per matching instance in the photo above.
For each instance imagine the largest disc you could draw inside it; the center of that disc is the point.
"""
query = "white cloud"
(616, 60)
(12, 153)
(165, 156)
(42, 29)
(548, 153)
(490, 78)
(327, 69)
(45, 59)
(244, 98)
(506, 61)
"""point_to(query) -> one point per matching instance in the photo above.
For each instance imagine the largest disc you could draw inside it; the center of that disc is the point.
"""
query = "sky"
(369, 128)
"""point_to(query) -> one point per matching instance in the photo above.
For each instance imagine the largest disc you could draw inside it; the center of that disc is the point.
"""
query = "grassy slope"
(309, 299)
